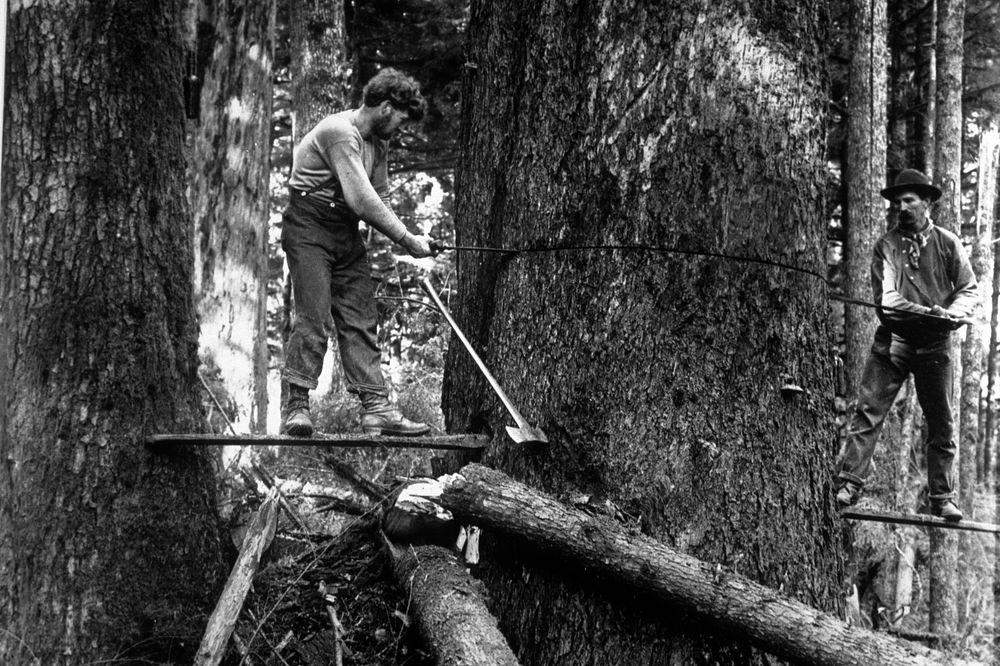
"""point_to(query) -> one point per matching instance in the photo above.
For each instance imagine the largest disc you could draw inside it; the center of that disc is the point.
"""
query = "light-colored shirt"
(943, 276)
(333, 139)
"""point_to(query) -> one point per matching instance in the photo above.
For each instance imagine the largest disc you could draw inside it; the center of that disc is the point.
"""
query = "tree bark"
(321, 74)
(595, 547)
(230, 199)
(450, 608)
(865, 222)
(986, 199)
(974, 345)
(109, 552)
(948, 176)
(974, 352)
(866, 158)
(656, 376)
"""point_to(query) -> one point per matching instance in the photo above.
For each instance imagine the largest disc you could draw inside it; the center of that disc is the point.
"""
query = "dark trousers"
(891, 360)
(331, 282)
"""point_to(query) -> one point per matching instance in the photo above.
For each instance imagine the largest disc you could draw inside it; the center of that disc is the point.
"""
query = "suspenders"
(326, 183)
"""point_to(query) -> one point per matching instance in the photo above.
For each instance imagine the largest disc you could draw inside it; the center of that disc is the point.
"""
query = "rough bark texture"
(107, 550)
(230, 197)
(656, 376)
(948, 176)
(866, 159)
(321, 76)
(450, 608)
(972, 443)
(984, 264)
(976, 337)
(599, 549)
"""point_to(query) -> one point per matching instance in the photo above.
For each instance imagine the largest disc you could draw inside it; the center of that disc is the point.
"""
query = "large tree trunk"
(109, 552)
(658, 377)
(230, 200)
(948, 176)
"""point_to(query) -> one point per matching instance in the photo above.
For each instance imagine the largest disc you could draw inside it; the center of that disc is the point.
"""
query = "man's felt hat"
(911, 180)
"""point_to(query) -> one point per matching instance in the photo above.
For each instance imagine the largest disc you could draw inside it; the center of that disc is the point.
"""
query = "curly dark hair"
(403, 92)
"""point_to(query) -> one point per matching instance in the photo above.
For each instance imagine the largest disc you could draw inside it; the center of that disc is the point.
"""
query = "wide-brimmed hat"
(911, 180)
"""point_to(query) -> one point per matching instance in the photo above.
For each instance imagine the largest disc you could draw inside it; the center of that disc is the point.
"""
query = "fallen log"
(448, 604)
(227, 609)
(736, 605)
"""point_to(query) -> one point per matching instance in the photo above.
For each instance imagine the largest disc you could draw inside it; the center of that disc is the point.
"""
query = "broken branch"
(227, 610)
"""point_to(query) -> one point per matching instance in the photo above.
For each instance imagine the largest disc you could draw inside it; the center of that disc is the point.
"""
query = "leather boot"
(946, 509)
(297, 421)
(381, 418)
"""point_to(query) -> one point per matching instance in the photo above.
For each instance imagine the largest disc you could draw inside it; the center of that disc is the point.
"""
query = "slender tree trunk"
(109, 552)
(973, 355)
(930, 94)
(3, 69)
(989, 155)
(866, 157)
(321, 75)
(230, 201)
(948, 176)
(665, 382)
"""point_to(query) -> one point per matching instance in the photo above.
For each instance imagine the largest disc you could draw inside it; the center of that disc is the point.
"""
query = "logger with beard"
(339, 177)
(923, 274)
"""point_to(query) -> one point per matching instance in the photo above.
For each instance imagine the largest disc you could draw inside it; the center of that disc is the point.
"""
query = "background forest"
(676, 388)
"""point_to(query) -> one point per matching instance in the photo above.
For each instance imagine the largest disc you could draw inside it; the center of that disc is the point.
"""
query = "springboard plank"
(921, 519)
(448, 442)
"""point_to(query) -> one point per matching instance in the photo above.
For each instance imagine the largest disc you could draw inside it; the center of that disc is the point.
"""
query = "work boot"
(848, 493)
(946, 509)
(381, 418)
(297, 421)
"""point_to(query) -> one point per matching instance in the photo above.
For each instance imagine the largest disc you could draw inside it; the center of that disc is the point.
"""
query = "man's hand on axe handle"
(418, 246)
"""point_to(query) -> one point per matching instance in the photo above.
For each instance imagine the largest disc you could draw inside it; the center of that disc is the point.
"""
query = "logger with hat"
(923, 274)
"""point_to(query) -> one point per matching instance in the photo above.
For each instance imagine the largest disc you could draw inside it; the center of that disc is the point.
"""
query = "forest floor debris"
(335, 564)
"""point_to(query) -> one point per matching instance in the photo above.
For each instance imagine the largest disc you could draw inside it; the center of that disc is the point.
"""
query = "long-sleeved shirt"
(943, 276)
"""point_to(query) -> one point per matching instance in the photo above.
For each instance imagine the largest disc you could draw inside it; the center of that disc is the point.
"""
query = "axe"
(523, 433)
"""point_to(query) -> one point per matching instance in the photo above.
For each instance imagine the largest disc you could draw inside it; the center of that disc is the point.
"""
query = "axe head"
(527, 435)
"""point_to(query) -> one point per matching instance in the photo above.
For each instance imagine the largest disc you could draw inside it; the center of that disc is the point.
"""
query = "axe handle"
(520, 420)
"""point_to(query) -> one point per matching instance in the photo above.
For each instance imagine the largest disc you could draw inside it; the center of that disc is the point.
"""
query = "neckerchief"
(913, 241)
